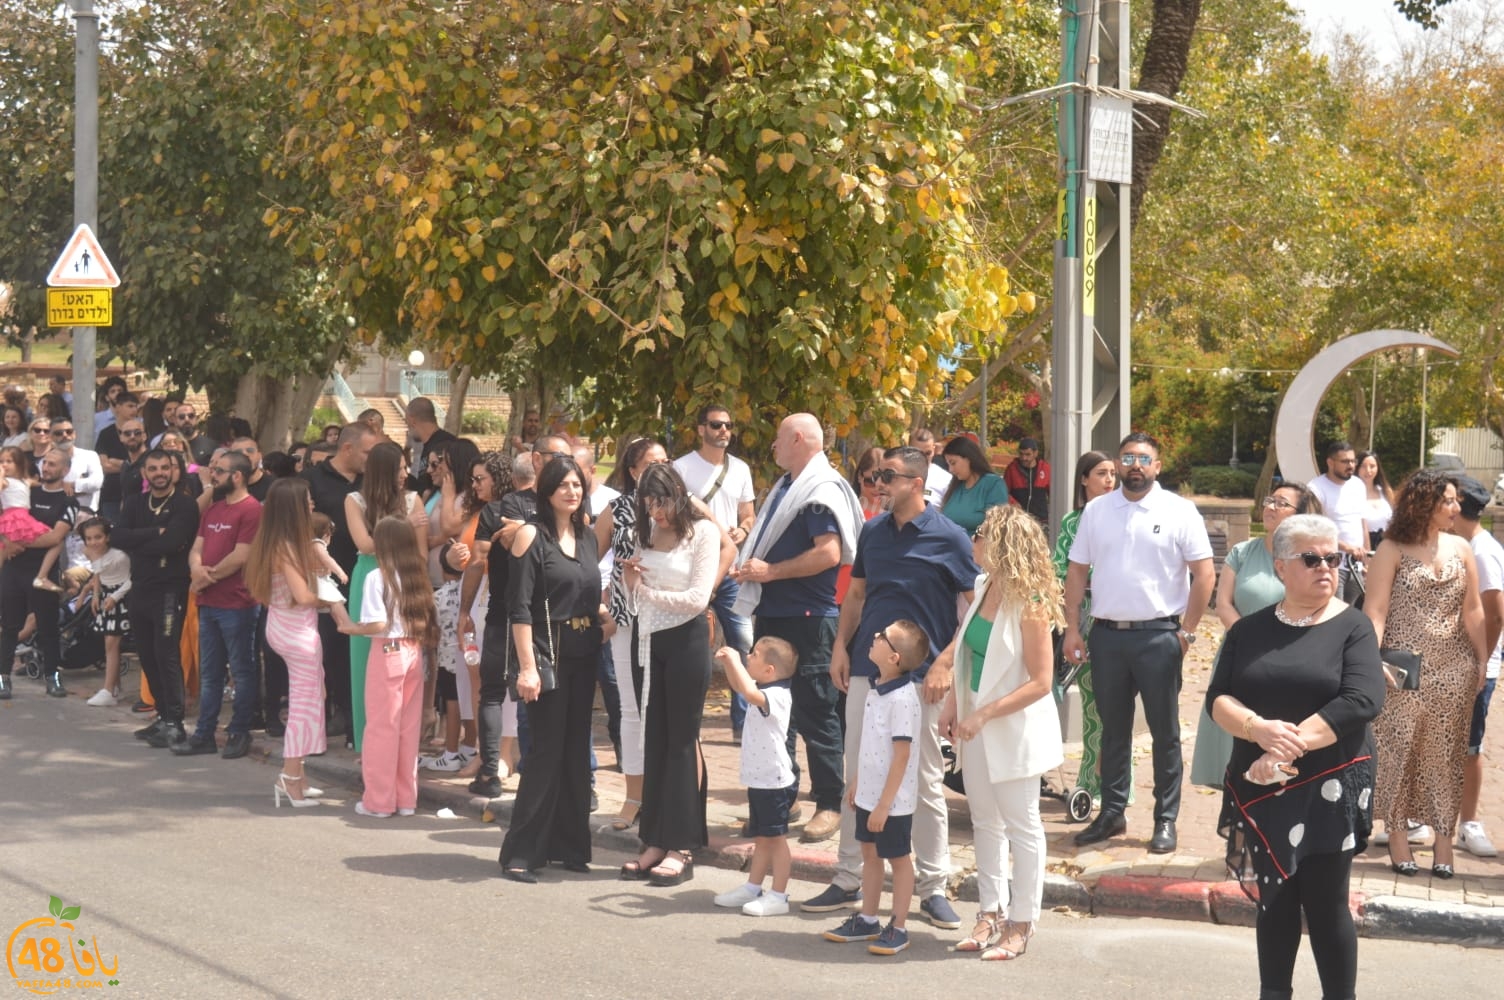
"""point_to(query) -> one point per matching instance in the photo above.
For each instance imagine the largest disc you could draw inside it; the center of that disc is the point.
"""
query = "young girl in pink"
(17, 526)
(397, 612)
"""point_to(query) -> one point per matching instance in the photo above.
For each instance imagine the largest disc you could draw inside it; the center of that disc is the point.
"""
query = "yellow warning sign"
(80, 306)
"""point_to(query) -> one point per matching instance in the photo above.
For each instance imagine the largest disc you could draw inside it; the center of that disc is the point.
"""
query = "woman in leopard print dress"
(1423, 597)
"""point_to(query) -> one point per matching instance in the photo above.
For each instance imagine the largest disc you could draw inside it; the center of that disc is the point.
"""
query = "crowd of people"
(369, 588)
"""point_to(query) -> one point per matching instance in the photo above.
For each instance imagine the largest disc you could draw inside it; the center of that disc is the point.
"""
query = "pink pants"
(394, 716)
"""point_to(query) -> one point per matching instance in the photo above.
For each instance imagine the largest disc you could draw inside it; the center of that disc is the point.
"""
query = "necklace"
(1279, 612)
(156, 509)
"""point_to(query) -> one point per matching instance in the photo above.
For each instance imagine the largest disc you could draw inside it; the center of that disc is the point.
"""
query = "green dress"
(1256, 588)
(1089, 776)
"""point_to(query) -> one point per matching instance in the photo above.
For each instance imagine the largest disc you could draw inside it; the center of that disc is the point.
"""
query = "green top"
(1068, 525)
(967, 506)
(978, 634)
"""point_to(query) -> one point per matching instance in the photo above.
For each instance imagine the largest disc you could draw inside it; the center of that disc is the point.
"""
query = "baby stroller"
(80, 646)
(1077, 800)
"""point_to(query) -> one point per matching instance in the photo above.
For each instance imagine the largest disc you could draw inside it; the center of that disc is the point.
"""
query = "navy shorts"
(893, 842)
(1480, 715)
(770, 810)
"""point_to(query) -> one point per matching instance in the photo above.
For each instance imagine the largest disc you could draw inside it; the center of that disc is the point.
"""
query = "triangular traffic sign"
(83, 264)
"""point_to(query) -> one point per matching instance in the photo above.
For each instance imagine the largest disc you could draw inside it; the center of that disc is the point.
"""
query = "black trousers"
(817, 714)
(673, 775)
(1318, 889)
(273, 675)
(157, 628)
(493, 692)
(336, 667)
(551, 816)
(18, 598)
(1126, 664)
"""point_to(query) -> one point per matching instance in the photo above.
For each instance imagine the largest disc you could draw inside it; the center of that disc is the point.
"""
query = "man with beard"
(226, 610)
(1149, 561)
(133, 442)
(912, 563)
(85, 474)
(111, 447)
(1344, 498)
(156, 530)
(258, 482)
(54, 506)
(723, 483)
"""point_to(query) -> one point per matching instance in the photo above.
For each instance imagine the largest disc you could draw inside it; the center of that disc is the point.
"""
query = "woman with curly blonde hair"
(1003, 723)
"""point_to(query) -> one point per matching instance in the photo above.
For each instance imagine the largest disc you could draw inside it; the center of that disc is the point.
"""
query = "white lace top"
(677, 584)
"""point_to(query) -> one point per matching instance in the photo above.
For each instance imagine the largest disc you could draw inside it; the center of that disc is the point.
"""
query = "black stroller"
(80, 646)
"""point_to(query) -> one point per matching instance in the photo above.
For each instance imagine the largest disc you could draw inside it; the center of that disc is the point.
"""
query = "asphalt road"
(197, 887)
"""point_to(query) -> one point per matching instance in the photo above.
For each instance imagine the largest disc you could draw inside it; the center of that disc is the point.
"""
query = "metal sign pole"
(85, 197)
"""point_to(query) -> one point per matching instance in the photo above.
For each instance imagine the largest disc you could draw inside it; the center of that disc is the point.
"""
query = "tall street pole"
(85, 196)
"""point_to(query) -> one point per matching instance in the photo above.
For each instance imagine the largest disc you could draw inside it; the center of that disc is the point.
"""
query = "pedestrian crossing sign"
(83, 264)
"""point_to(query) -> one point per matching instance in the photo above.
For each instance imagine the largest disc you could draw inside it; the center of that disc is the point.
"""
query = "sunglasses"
(1312, 560)
(132, 434)
(720, 425)
(1131, 460)
(58, 432)
(39, 430)
(888, 475)
(870, 479)
(555, 454)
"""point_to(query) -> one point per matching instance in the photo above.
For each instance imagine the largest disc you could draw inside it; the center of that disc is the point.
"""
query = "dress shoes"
(195, 747)
(55, 687)
(236, 745)
(147, 732)
(1104, 827)
(1163, 841)
(4, 687)
(170, 735)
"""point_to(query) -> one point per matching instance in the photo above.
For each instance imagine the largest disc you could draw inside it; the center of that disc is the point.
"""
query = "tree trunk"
(28, 342)
(1266, 481)
(459, 385)
(1166, 55)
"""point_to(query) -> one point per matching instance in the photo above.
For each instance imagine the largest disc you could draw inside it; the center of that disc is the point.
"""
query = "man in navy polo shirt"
(912, 562)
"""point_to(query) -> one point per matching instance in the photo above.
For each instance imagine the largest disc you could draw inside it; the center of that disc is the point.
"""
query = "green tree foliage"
(767, 203)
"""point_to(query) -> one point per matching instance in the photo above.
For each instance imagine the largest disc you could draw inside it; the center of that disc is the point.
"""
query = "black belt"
(1165, 624)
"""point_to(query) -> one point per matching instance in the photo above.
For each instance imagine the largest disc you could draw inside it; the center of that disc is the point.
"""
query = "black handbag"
(1401, 668)
(548, 671)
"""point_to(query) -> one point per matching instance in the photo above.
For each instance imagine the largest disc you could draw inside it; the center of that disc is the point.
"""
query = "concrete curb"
(1122, 894)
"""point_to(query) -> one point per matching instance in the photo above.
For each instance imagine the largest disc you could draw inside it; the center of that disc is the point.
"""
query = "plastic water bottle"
(472, 651)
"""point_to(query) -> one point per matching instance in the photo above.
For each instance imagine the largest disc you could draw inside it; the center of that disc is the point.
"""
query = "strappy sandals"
(988, 929)
(1013, 943)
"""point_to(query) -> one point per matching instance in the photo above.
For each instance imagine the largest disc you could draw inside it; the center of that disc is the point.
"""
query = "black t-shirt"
(130, 476)
(108, 445)
(49, 507)
(329, 490)
(261, 487)
(520, 505)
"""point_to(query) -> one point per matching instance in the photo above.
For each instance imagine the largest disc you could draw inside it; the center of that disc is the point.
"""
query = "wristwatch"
(1189, 637)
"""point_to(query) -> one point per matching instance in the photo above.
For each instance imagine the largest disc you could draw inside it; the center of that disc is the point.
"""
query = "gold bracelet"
(1248, 726)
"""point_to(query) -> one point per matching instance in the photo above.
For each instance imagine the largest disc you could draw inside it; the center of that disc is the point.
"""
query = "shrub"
(1222, 481)
(483, 422)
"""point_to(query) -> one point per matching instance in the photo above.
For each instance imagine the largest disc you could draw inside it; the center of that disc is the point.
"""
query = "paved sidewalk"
(1119, 878)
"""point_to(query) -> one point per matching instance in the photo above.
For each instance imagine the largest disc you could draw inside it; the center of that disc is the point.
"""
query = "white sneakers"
(443, 762)
(1473, 839)
(738, 897)
(752, 901)
(103, 698)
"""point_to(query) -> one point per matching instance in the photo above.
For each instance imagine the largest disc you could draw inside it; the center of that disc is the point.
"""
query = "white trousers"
(931, 834)
(1004, 815)
(631, 716)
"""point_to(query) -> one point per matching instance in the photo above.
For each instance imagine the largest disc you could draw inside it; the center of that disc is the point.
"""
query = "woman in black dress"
(1297, 684)
(554, 596)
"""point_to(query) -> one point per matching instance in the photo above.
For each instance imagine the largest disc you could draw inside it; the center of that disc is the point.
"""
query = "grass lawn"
(44, 352)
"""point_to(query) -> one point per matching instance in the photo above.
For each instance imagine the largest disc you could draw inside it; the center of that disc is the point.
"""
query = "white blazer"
(1019, 745)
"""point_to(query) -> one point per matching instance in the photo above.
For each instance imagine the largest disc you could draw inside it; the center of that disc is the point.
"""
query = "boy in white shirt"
(887, 787)
(766, 770)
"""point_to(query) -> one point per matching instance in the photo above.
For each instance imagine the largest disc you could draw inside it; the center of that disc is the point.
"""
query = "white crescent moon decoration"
(1295, 424)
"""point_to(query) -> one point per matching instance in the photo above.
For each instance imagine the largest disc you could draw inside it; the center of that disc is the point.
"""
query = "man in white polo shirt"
(1345, 500)
(1149, 560)
(937, 479)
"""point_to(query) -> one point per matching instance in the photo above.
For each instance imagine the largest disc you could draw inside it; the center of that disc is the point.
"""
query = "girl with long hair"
(1003, 723)
(669, 585)
(279, 572)
(381, 495)
(553, 593)
(974, 488)
(1380, 497)
(397, 608)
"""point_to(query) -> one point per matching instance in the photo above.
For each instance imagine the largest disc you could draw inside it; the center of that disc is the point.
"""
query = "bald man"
(804, 533)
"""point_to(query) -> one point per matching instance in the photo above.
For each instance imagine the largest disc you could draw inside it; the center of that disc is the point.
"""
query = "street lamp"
(415, 361)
